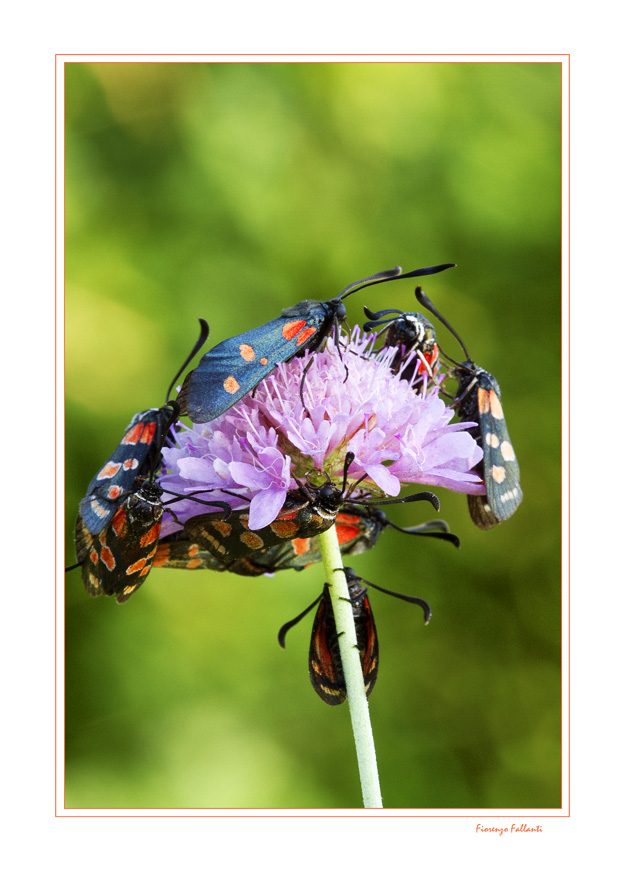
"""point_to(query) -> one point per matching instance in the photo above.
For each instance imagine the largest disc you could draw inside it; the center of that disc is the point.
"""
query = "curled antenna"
(285, 629)
(425, 496)
(424, 300)
(204, 335)
(385, 275)
(432, 529)
(392, 275)
(414, 600)
(375, 318)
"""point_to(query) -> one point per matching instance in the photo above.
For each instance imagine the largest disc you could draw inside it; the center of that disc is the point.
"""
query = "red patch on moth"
(292, 328)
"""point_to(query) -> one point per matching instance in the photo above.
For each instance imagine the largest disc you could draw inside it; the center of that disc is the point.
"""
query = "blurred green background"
(229, 191)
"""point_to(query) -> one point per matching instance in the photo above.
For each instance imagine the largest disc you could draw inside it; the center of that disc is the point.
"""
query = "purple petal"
(195, 469)
(383, 478)
(265, 507)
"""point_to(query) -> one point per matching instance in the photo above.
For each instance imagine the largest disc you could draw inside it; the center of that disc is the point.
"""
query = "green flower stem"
(352, 670)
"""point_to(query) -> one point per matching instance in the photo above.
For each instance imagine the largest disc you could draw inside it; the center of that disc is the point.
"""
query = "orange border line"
(366, 813)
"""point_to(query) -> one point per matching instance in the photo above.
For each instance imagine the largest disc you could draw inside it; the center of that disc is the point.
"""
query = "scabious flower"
(398, 430)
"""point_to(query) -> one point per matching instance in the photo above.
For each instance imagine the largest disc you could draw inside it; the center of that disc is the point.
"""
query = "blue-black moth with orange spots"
(478, 400)
(119, 520)
(233, 368)
(135, 455)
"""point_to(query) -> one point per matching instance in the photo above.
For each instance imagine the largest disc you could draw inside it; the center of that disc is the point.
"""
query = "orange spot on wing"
(119, 519)
(483, 400)
(133, 435)
(252, 540)
(108, 471)
(305, 335)
(148, 433)
(222, 527)
(151, 535)
(507, 451)
(136, 567)
(231, 385)
(162, 555)
(346, 533)
(347, 526)
(107, 558)
(247, 352)
(496, 407)
(98, 508)
(292, 328)
(284, 528)
(301, 546)
(498, 474)
(128, 590)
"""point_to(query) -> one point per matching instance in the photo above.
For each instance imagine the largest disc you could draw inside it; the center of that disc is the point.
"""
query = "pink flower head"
(398, 430)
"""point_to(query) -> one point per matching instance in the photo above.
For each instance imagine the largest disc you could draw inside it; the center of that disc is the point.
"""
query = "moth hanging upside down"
(325, 667)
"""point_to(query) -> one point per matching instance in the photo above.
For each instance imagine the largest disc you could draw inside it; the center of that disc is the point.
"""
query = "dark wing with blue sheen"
(233, 368)
(134, 457)
(501, 469)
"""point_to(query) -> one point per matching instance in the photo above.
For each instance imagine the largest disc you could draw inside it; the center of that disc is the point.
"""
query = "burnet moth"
(233, 368)
(325, 667)
(478, 400)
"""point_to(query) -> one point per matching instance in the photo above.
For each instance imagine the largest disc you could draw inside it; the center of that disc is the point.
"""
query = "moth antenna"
(204, 335)
(338, 345)
(392, 275)
(385, 275)
(351, 575)
(235, 495)
(224, 506)
(346, 468)
(434, 529)
(375, 316)
(426, 496)
(305, 370)
(368, 326)
(285, 629)
(424, 300)
(414, 600)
